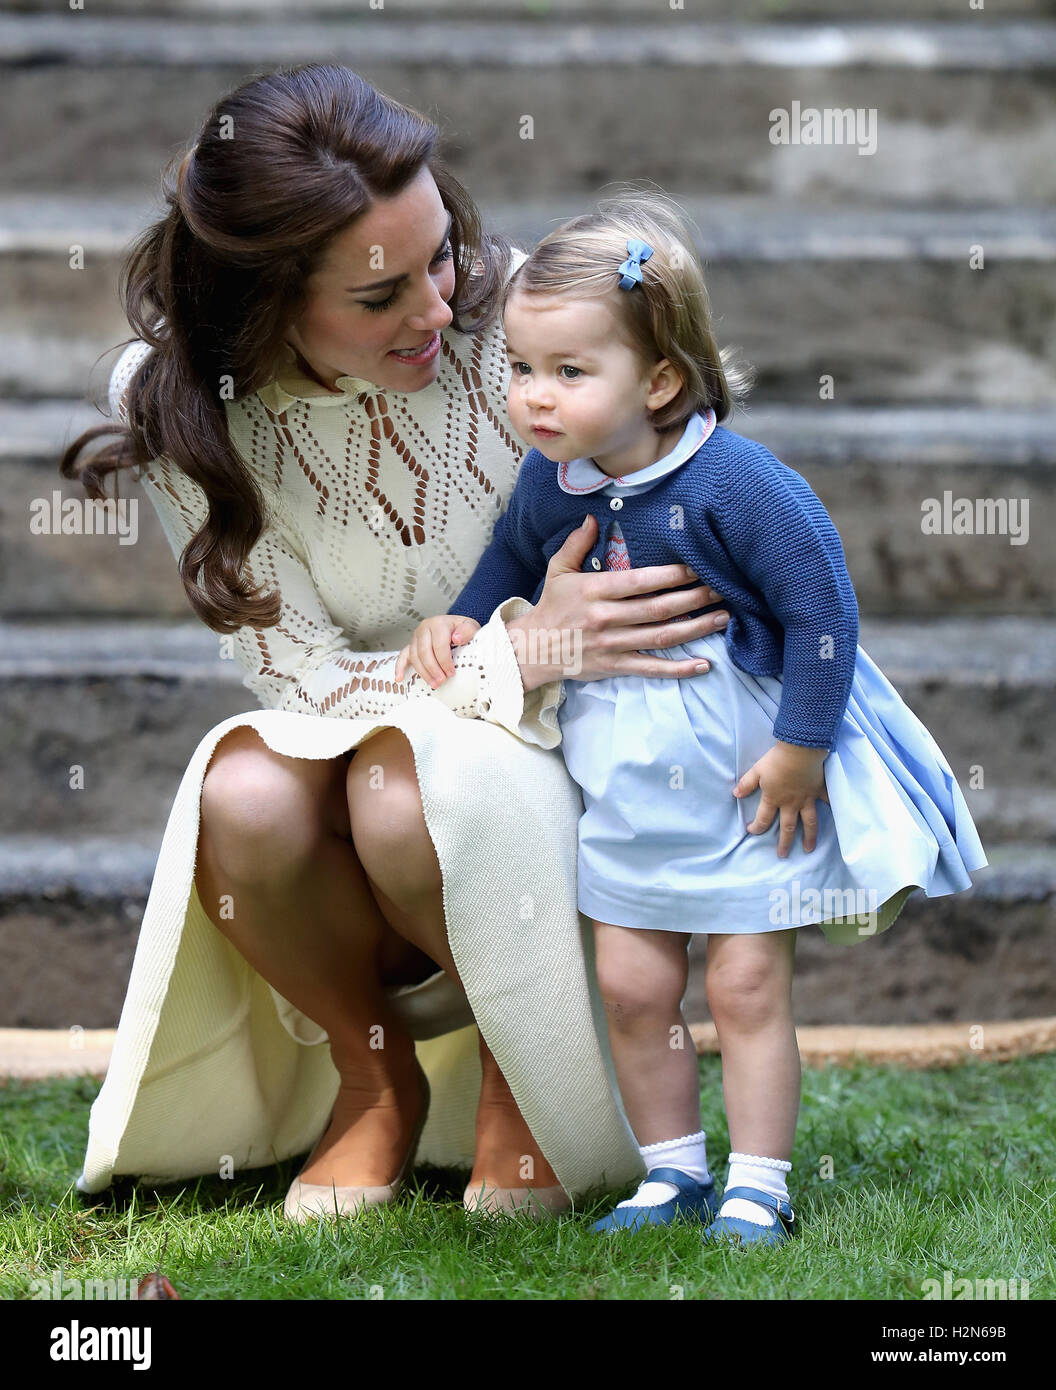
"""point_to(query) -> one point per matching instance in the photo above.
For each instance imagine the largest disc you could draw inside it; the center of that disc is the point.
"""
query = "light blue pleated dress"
(663, 842)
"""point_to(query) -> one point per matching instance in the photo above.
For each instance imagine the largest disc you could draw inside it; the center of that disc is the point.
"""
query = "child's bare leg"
(749, 986)
(642, 976)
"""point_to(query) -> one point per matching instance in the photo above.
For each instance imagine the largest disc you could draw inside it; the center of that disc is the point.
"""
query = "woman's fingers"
(635, 664)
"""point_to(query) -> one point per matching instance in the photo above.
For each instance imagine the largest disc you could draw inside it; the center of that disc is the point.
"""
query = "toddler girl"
(693, 788)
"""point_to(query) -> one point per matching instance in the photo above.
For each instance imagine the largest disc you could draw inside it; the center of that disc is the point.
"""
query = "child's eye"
(376, 306)
(516, 366)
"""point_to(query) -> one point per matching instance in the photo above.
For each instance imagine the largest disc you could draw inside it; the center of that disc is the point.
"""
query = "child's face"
(577, 389)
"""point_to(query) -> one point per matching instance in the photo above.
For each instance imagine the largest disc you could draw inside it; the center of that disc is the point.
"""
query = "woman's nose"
(437, 313)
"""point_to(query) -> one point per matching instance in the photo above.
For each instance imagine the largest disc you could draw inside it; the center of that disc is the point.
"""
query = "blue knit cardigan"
(749, 526)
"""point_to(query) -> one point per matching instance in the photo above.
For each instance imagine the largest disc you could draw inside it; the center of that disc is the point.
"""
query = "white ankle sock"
(752, 1170)
(687, 1154)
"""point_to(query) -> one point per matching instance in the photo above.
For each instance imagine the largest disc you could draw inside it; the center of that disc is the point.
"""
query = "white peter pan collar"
(584, 475)
(291, 384)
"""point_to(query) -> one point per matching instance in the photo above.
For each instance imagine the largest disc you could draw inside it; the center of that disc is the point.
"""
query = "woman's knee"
(388, 822)
(264, 813)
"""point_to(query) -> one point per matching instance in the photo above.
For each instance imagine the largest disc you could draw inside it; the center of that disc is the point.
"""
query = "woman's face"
(383, 285)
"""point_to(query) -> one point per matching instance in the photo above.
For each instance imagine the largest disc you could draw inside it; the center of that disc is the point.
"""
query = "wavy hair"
(213, 285)
(667, 315)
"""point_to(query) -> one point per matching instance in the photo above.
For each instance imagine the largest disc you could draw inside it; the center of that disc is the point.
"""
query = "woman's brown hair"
(281, 165)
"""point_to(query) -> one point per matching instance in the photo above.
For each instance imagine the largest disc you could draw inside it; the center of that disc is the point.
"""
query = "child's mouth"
(545, 433)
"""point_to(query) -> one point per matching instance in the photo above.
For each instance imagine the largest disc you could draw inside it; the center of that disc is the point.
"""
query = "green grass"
(932, 1171)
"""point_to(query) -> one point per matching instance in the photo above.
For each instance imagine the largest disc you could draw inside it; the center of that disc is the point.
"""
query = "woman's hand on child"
(429, 650)
(792, 779)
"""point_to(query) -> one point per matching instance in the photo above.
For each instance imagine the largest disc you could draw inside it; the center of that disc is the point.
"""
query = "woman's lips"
(426, 353)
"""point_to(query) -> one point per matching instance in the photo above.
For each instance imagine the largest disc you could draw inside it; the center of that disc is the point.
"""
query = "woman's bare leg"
(276, 846)
(397, 853)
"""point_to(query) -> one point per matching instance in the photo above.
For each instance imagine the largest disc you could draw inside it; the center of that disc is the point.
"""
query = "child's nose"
(534, 392)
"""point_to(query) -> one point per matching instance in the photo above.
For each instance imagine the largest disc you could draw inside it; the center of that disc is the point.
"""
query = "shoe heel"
(540, 1203)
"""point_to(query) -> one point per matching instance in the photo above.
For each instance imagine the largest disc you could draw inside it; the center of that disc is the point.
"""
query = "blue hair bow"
(630, 272)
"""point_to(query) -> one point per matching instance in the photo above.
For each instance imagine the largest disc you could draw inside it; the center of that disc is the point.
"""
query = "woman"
(317, 406)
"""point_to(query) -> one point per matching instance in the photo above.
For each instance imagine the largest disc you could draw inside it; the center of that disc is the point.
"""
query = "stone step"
(951, 111)
(983, 953)
(540, 11)
(70, 911)
(883, 301)
(874, 469)
(884, 474)
(117, 709)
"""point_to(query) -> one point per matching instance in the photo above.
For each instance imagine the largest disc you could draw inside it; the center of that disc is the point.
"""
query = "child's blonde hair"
(666, 315)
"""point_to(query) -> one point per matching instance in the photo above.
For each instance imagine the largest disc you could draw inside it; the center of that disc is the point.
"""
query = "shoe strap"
(764, 1199)
(676, 1178)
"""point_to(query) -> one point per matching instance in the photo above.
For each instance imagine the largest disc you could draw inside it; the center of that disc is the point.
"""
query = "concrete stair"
(934, 87)
(70, 910)
(542, 10)
(875, 469)
(884, 301)
(127, 703)
(821, 262)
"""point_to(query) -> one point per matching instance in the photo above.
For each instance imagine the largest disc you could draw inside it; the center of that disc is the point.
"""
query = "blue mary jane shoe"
(695, 1202)
(741, 1231)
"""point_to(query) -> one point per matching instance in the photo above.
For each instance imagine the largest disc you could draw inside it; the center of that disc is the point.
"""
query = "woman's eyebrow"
(395, 279)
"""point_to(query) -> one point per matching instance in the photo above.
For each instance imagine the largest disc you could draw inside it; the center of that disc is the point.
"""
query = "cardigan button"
(616, 504)
(595, 563)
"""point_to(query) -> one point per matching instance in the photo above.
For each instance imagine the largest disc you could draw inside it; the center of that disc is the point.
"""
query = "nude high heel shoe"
(539, 1203)
(307, 1201)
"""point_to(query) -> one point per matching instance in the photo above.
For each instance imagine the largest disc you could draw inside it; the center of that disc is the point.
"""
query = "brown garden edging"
(35, 1053)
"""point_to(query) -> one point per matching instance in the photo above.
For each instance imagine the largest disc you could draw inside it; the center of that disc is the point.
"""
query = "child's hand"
(791, 779)
(429, 650)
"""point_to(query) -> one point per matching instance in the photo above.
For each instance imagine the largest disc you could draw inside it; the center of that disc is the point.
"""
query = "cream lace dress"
(380, 504)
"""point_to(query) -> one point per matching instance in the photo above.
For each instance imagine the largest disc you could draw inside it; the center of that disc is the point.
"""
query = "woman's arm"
(605, 619)
(305, 663)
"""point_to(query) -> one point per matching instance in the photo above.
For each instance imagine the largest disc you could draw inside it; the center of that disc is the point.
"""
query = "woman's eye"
(377, 305)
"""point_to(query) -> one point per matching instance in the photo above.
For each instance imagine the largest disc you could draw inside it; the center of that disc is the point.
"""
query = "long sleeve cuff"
(531, 715)
(499, 695)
